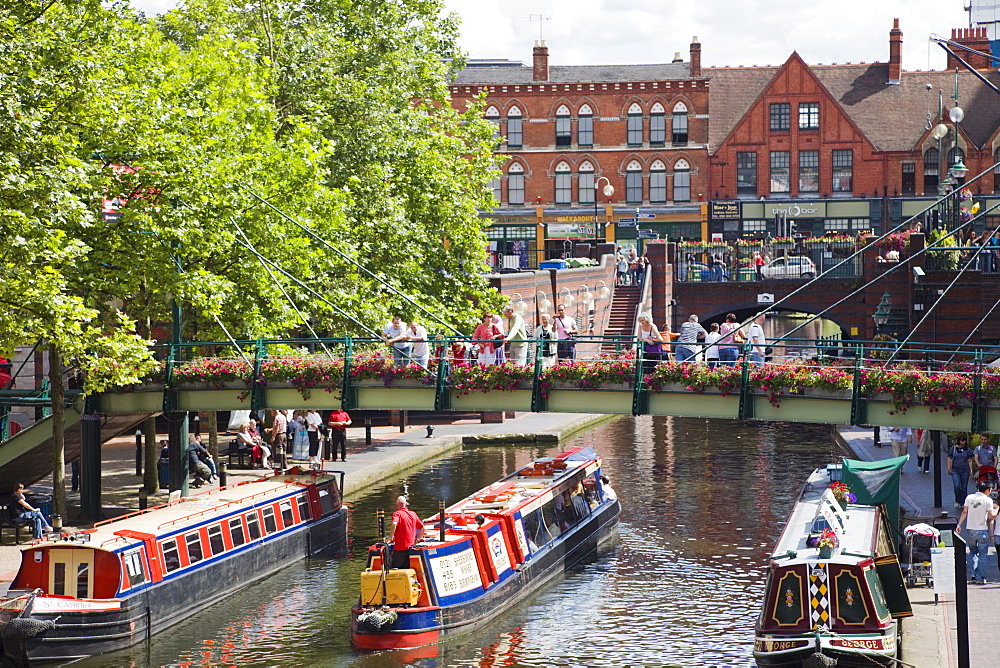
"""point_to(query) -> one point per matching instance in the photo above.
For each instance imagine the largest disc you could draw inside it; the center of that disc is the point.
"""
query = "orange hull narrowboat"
(533, 525)
(835, 586)
(115, 585)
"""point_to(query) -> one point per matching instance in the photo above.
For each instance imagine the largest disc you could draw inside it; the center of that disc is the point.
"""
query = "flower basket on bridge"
(142, 398)
(491, 388)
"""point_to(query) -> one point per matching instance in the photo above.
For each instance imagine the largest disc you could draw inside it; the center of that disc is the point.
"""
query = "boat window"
(215, 539)
(253, 525)
(171, 558)
(59, 578)
(134, 570)
(578, 497)
(550, 519)
(325, 498)
(535, 530)
(269, 524)
(287, 519)
(590, 493)
(236, 531)
(193, 541)
(82, 579)
(303, 508)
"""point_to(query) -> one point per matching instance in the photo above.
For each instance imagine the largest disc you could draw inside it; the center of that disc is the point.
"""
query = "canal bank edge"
(396, 456)
(926, 634)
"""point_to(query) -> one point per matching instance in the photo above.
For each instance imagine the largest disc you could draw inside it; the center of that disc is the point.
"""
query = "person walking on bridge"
(687, 342)
(516, 335)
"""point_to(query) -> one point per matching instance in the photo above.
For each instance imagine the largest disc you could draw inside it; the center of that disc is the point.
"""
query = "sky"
(731, 32)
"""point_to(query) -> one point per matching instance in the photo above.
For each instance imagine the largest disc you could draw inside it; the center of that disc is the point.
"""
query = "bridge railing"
(459, 372)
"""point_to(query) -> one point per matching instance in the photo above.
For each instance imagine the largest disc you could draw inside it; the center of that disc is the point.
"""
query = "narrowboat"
(493, 549)
(106, 588)
(834, 586)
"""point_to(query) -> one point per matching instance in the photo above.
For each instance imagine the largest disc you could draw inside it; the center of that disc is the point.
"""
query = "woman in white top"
(547, 334)
(711, 347)
(652, 343)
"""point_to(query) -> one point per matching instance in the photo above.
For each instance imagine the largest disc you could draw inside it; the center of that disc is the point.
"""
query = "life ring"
(516, 490)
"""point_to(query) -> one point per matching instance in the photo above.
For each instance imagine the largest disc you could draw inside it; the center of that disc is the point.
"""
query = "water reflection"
(703, 502)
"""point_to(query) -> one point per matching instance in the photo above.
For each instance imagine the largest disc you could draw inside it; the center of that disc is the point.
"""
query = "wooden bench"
(8, 520)
(234, 451)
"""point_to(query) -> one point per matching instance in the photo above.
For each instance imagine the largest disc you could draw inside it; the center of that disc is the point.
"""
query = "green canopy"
(876, 482)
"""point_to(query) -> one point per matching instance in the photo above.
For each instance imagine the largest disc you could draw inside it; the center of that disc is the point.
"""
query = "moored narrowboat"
(109, 587)
(835, 586)
(532, 525)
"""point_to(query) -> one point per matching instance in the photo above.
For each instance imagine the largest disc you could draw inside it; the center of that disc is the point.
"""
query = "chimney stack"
(695, 57)
(540, 62)
(677, 57)
(895, 52)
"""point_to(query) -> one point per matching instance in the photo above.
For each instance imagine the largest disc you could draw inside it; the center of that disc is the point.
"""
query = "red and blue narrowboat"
(835, 586)
(106, 588)
(534, 524)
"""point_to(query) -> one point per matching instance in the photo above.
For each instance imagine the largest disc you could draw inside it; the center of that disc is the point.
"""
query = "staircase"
(624, 310)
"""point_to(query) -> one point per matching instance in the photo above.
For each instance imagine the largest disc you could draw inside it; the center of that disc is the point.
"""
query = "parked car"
(790, 267)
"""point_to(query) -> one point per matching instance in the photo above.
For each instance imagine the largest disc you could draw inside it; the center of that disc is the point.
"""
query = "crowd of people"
(630, 267)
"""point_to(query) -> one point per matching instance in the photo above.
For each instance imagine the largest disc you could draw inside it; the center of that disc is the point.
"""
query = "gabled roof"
(507, 74)
(892, 116)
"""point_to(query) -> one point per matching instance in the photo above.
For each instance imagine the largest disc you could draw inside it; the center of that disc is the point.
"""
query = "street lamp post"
(881, 315)
(956, 171)
(608, 191)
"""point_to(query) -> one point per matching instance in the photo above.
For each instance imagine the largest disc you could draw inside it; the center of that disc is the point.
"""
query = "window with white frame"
(809, 116)
(657, 182)
(633, 182)
(909, 178)
(564, 131)
(746, 173)
(564, 184)
(679, 123)
(932, 167)
(779, 172)
(635, 125)
(585, 126)
(515, 184)
(754, 225)
(682, 181)
(837, 224)
(515, 128)
(808, 171)
(495, 187)
(585, 183)
(781, 116)
(843, 170)
(657, 124)
(493, 116)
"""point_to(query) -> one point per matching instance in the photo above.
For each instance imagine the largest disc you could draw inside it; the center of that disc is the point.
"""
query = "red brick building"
(570, 131)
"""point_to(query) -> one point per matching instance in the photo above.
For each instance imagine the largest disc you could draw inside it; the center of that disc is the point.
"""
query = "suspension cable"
(347, 257)
(285, 294)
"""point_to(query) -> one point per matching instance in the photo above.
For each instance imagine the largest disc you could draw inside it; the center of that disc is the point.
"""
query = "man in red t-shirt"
(338, 422)
(406, 526)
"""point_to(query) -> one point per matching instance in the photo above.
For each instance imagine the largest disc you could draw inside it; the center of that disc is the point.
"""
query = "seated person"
(198, 468)
(204, 454)
(248, 440)
(30, 514)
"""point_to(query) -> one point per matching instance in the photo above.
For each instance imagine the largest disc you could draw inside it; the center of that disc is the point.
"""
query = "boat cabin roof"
(175, 516)
(816, 509)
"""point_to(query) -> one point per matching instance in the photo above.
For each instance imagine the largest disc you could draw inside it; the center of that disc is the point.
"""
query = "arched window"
(515, 184)
(657, 182)
(585, 126)
(494, 185)
(682, 181)
(932, 167)
(680, 123)
(635, 125)
(564, 134)
(515, 129)
(493, 115)
(633, 182)
(564, 184)
(585, 183)
(657, 125)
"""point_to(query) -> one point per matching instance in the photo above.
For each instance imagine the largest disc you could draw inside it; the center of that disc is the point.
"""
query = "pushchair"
(989, 474)
(918, 539)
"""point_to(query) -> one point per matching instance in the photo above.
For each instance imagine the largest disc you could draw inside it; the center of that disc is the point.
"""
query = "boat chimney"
(441, 527)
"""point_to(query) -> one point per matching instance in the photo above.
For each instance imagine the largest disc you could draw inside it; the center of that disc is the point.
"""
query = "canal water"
(702, 504)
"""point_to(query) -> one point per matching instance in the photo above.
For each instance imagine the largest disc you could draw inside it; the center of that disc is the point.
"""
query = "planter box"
(496, 400)
(132, 402)
(611, 387)
(319, 398)
(919, 417)
(590, 401)
(213, 400)
(694, 405)
(794, 408)
(396, 398)
(681, 388)
(395, 382)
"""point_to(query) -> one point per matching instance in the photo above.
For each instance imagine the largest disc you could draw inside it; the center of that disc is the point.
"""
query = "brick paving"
(916, 496)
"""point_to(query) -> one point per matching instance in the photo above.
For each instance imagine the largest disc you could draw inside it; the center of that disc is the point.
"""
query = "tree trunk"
(58, 394)
(151, 478)
(213, 435)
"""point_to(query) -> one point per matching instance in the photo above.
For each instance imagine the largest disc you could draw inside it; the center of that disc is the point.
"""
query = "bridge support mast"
(90, 463)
